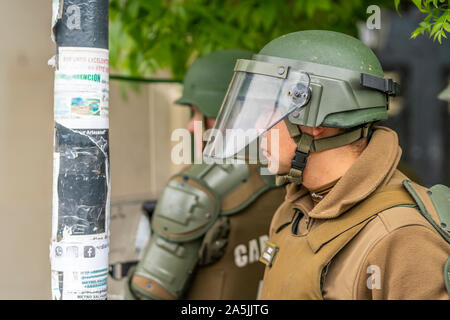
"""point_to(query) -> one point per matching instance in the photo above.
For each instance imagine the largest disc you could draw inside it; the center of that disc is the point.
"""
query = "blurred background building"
(418, 116)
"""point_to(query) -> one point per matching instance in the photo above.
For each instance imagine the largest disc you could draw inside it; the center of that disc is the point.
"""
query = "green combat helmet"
(445, 95)
(311, 78)
(206, 91)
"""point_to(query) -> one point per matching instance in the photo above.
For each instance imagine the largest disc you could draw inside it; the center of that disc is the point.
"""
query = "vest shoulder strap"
(383, 199)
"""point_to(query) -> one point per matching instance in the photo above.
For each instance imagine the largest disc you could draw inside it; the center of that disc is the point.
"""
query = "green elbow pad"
(190, 226)
(165, 270)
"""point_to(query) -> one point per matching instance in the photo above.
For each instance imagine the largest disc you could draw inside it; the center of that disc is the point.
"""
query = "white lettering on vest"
(253, 251)
(240, 255)
(244, 255)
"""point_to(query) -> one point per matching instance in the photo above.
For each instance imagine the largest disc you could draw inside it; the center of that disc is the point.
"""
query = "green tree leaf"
(149, 35)
(435, 23)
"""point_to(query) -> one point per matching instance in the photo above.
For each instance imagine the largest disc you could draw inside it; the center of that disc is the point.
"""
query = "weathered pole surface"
(81, 184)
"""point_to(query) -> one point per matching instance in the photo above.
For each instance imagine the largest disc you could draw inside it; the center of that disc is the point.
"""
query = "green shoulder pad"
(193, 199)
(237, 185)
(187, 208)
(434, 205)
(440, 196)
(248, 190)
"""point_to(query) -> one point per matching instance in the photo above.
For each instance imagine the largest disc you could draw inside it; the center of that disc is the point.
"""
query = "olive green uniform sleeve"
(407, 264)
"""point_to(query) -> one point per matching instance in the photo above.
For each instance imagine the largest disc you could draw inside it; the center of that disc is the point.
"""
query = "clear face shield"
(260, 95)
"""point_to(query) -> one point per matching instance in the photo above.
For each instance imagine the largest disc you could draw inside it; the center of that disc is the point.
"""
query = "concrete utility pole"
(81, 182)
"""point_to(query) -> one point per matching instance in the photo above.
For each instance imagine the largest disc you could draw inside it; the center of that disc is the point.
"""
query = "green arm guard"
(190, 226)
(165, 269)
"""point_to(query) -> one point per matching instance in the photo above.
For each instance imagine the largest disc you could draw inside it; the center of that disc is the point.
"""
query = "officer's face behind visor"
(260, 95)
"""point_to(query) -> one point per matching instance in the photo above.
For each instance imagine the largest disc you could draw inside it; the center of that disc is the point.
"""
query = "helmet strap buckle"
(298, 163)
(299, 160)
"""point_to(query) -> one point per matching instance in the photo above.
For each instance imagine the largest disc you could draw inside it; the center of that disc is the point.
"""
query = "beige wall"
(139, 135)
(140, 130)
(26, 149)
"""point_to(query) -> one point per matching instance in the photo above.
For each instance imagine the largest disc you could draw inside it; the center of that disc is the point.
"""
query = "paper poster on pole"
(79, 270)
(82, 86)
(80, 245)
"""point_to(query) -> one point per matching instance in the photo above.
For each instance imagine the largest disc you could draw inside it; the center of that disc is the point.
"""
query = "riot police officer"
(211, 222)
(352, 226)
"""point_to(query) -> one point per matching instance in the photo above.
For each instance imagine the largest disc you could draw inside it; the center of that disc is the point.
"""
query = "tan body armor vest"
(300, 261)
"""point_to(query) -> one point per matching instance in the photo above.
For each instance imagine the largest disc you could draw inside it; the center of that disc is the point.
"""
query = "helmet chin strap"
(306, 144)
